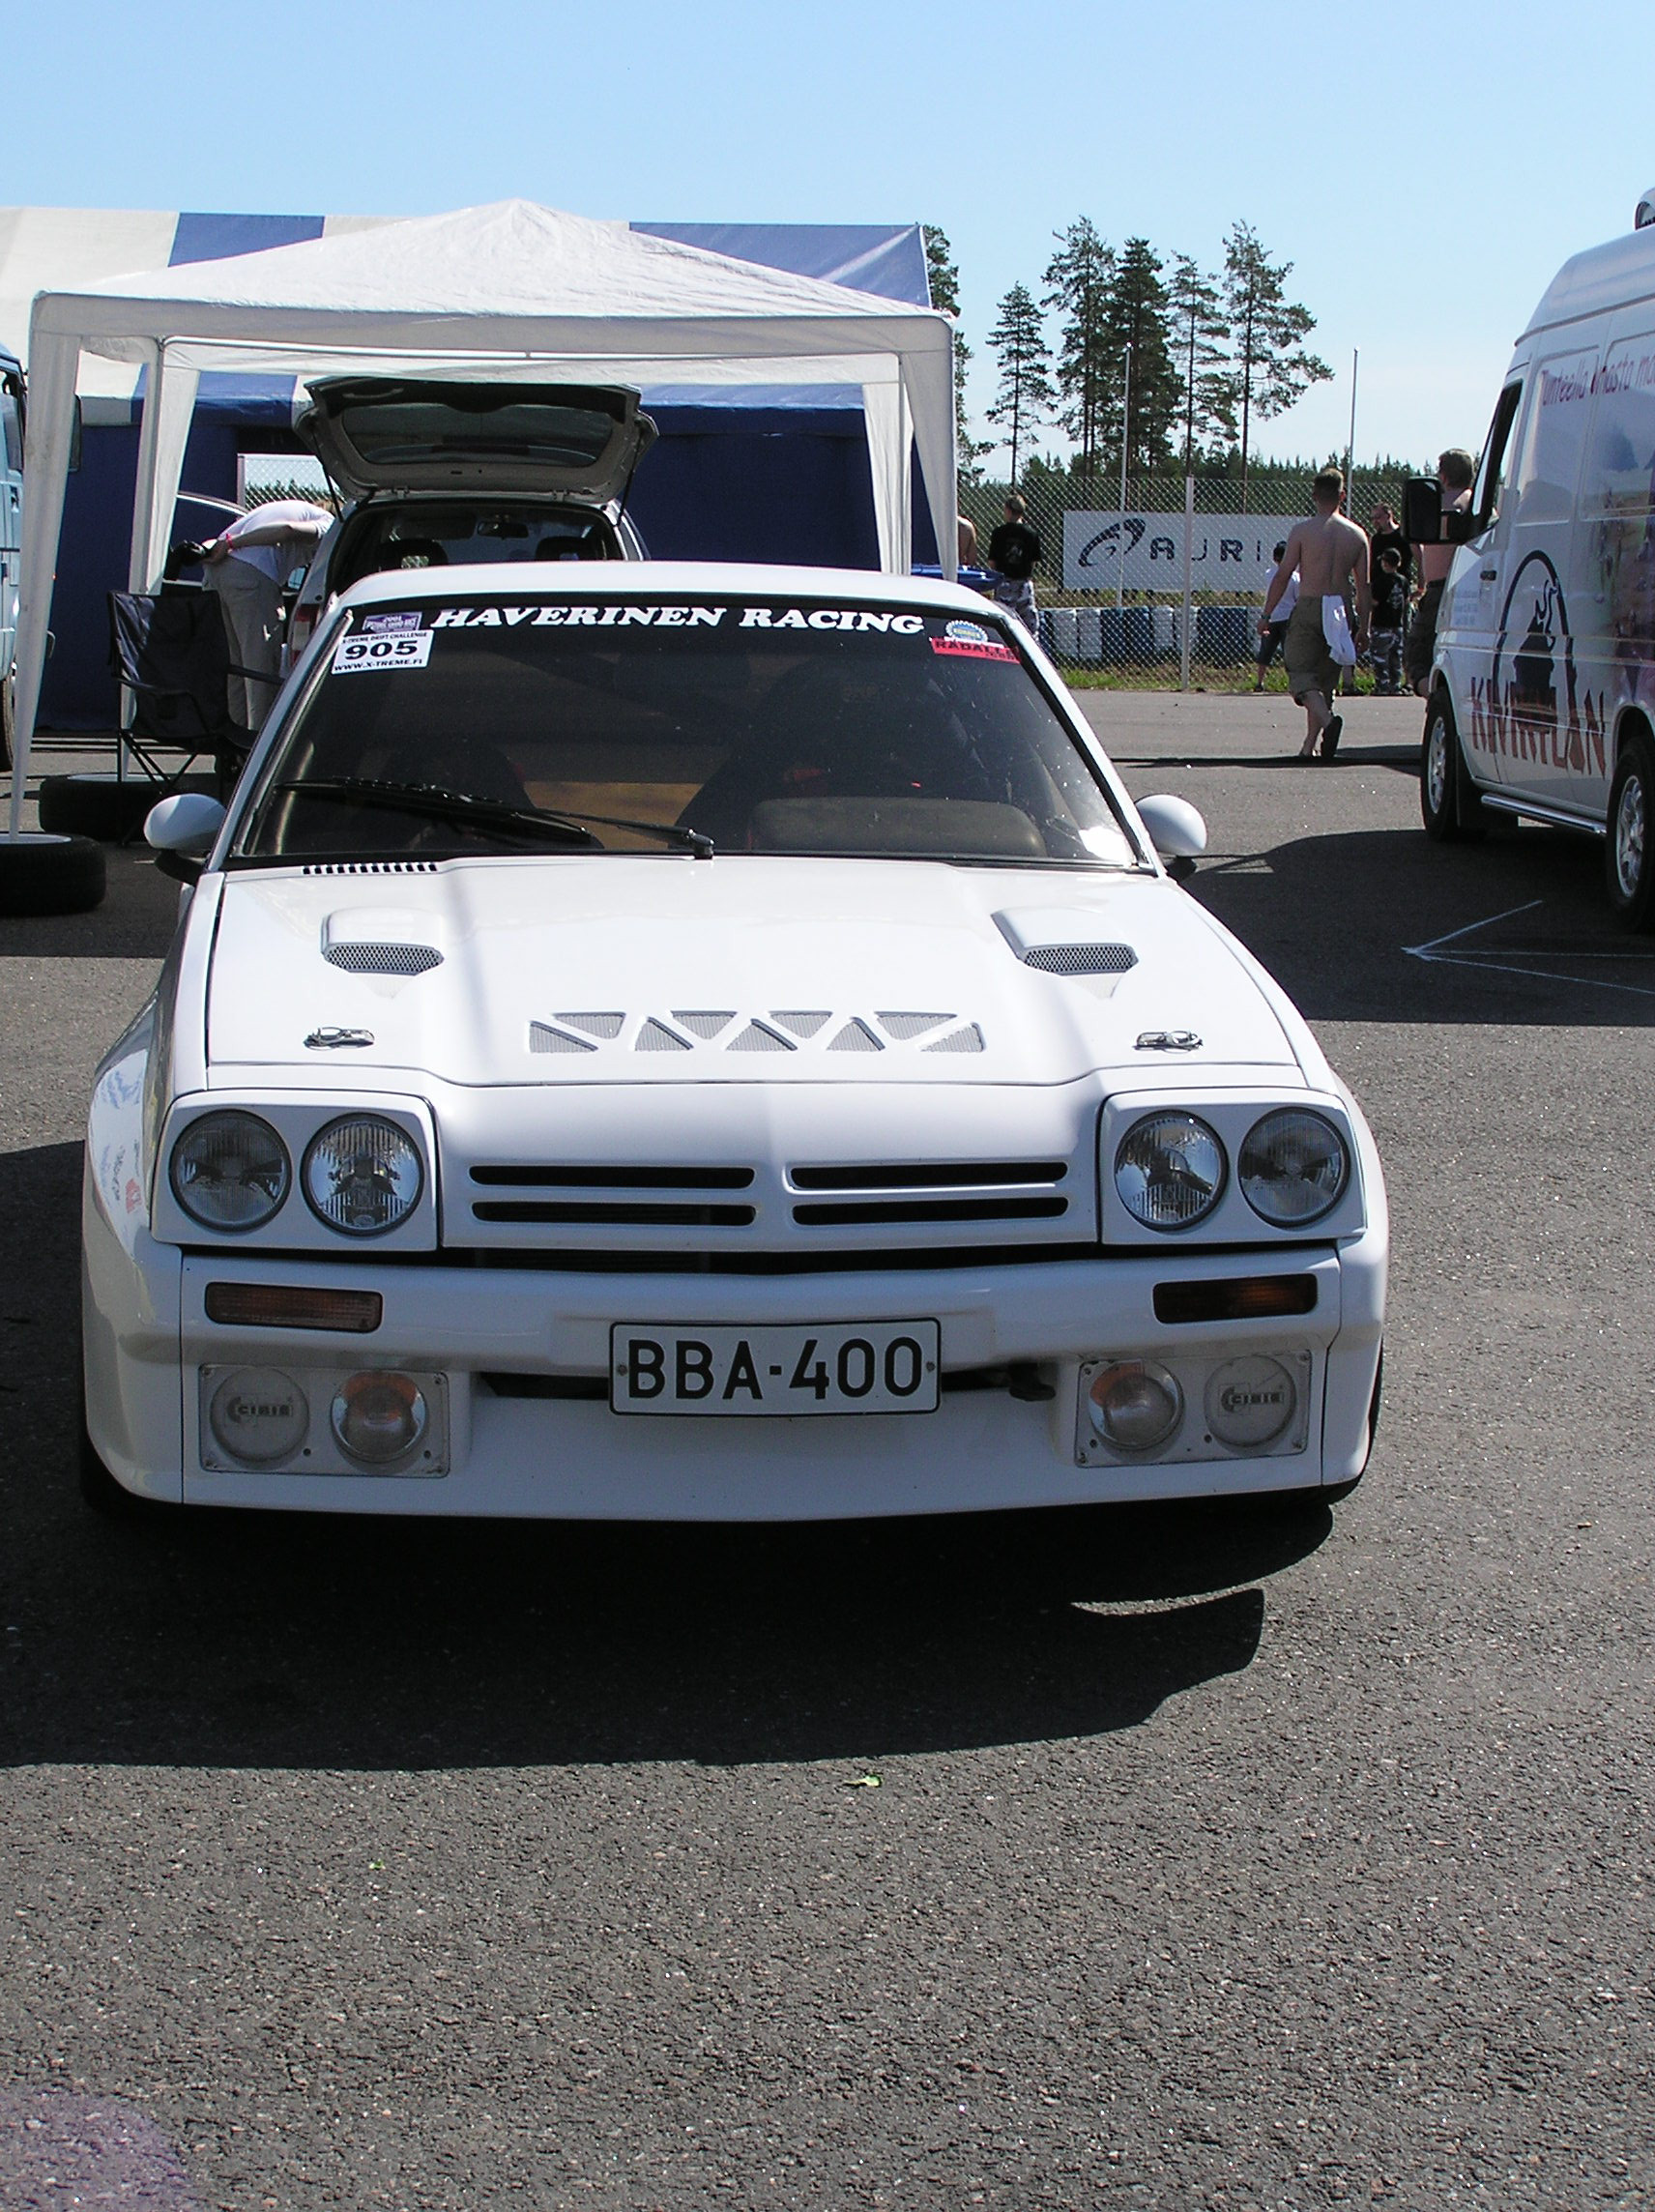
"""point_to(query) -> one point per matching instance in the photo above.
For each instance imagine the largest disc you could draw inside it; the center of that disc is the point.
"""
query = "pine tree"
(1025, 398)
(1269, 365)
(943, 275)
(1199, 335)
(1077, 285)
(1135, 312)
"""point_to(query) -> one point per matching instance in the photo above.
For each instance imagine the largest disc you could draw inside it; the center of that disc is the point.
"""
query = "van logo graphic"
(1532, 709)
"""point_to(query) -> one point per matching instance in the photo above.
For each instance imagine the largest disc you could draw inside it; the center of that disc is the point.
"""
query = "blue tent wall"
(750, 484)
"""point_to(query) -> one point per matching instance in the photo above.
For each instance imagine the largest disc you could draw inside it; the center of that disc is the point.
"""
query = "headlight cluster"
(361, 1175)
(1170, 1170)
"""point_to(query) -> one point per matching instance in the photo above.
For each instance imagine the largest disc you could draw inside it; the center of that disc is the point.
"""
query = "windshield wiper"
(435, 799)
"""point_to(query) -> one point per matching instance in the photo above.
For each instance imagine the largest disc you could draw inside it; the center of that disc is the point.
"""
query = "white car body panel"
(1013, 1238)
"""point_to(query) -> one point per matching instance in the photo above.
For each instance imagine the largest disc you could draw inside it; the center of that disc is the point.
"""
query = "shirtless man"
(1331, 558)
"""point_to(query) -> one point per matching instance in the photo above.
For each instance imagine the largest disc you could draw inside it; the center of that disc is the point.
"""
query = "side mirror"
(1422, 510)
(75, 429)
(1175, 830)
(182, 829)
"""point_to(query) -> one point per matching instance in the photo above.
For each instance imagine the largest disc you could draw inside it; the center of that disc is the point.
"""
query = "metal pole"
(1351, 449)
(1187, 617)
(1125, 416)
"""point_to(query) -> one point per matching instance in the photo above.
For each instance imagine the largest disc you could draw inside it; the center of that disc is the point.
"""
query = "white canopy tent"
(513, 290)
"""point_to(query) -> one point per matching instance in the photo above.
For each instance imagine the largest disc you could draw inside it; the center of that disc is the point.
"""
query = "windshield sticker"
(616, 615)
(963, 648)
(390, 625)
(378, 656)
(967, 632)
(830, 618)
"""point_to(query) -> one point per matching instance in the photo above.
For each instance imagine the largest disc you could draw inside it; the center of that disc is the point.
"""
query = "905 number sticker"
(375, 655)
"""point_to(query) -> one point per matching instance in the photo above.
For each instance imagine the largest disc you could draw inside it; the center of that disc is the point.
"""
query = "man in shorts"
(1456, 471)
(1331, 558)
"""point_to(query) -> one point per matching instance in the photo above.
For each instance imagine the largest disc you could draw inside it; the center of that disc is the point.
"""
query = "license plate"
(853, 1367)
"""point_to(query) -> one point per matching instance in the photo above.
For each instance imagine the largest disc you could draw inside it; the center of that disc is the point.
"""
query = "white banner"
(1228, 552)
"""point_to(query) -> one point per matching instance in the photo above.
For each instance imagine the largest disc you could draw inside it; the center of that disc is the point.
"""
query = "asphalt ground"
(1216, 1858)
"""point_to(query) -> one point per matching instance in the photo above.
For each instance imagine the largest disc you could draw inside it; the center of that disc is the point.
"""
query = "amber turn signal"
(1244, 1298)
(281, 1305)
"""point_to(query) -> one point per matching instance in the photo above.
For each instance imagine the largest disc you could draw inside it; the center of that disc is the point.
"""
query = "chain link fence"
(1111, 584)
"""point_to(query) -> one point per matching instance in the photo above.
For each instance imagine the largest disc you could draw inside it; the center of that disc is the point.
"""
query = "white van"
(1542, 698)
(11, 534)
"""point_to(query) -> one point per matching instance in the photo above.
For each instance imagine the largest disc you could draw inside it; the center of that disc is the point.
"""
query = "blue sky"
(1425, 168)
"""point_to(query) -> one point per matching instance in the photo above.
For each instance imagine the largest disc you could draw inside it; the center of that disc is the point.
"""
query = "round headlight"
(1169, 1171)
(377, 1417)
(230, 1170)
(1135, 1405)
(363, 1175)
(1293, 1168)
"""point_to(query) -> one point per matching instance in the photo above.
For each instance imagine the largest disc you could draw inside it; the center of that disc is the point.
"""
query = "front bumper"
(148, 1338)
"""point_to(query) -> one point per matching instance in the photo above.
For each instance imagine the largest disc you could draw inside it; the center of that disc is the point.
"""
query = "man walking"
(1331, 558)
(1012, 552)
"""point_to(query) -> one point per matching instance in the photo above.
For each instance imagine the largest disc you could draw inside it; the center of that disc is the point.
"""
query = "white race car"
(707, 1043)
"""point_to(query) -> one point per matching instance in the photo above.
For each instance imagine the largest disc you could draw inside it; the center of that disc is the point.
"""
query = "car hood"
(643, 969)
(403, 433)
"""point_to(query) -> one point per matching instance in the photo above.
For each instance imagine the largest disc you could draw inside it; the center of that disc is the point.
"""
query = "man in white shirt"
(247, 566)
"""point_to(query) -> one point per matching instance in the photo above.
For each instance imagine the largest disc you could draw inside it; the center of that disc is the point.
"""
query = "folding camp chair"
(171, 650)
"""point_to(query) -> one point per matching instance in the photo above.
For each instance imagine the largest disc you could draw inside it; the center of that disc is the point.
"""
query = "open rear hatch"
(405, 433)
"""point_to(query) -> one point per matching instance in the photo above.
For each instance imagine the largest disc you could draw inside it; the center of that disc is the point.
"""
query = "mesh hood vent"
(855, 1037)
(1080, 959)
(371, 868)
(542, 1037)
(365, 959)
(776, 1029)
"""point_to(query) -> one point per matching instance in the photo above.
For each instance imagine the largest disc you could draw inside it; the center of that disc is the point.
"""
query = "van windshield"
(629, 724)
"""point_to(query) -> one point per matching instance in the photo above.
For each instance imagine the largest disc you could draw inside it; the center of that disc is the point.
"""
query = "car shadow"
(242, 1639)
(1530, 937)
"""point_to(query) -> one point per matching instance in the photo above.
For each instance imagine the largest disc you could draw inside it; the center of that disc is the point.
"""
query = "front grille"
(931, 1175)
(536, 1178)
(638, 1212)
(861, 1213)
(384, 959)
(979, 1190)
(1080, 959)
(615, 1211)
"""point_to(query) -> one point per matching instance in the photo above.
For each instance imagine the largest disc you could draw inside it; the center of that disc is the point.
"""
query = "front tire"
(1448, 801)
(1629, 850)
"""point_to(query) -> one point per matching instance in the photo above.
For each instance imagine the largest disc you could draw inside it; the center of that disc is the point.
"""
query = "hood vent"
(723, 1029)
(371, 959)
(371, 868)
(1080, 959)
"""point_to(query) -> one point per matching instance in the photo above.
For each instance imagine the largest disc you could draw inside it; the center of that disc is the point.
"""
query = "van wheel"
(1448, 800)
(1629, 850)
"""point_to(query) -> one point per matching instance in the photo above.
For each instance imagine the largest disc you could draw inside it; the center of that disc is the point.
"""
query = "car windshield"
(631, 723)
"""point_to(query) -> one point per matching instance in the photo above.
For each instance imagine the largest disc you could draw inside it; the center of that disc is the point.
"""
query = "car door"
(10, 516)
(1534, 680)
(1467, 625)
(1613, 587)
